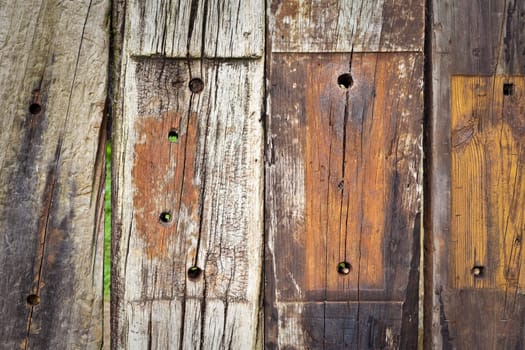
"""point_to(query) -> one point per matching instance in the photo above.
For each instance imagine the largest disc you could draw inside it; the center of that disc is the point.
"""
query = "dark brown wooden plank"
(474, 171)
(343, 185)
(52, 139)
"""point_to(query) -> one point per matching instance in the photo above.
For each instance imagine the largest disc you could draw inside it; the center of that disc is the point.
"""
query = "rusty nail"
(33, 299)
(196, 85)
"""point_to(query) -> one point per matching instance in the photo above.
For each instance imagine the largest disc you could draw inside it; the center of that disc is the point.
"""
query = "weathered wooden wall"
(53, 61)
(188, 170)
(343, 179)
(476, 192)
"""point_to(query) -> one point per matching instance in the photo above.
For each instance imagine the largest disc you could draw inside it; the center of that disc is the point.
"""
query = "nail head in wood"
(33, 299)
(196, 85)
(194, 272)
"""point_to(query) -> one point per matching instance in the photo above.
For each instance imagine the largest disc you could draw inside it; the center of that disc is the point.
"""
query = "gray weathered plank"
(343, 26)
(478, 41)
(208, 177)
(53, 58)
(192, 28)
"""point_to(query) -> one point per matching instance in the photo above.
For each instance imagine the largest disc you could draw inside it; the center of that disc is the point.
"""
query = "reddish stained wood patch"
(163, 174)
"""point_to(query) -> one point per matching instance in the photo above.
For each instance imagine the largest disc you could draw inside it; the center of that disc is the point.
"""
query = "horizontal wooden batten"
(189, 179)
(333, 325)
(341, 25)
(193, 28)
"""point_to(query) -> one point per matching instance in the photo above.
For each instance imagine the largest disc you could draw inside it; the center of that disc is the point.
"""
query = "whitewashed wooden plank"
(210, 181)
(53, 75)
(193, 28)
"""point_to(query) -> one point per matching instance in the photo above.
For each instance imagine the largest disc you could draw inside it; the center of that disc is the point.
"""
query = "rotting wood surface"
(188, 170)
(474, 221)
(343, 180)
(52, 140)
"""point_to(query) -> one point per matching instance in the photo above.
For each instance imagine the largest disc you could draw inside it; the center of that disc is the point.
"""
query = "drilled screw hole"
(173, 136)
(344, 268)
(196, 85)
(508, 89)
(35, 108)
(478, 271)
(194, 272)
(33, 299)
(165, 217)
(345, 81)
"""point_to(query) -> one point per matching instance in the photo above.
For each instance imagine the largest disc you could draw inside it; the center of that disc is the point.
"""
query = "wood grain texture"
(193, 28)
(488, 189)
(210, 181)
(343, 26)
(343, 184)
(54, 58)
(477, 41)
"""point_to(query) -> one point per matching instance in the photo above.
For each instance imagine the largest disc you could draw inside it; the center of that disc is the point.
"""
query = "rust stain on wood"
(487, 182)
(163, 174)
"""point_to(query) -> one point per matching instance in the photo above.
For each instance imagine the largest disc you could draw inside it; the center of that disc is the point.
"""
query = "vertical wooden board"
(52, 137)
(207, 176)
(487, 124)
(343, 26)
(193, 28)
(343, 184)
(475, 47)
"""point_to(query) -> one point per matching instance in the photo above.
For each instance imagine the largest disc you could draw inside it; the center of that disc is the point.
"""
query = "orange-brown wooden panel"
(344, 185)
(487, 181)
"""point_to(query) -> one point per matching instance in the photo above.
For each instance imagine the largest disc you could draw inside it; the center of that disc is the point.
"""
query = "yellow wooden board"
(487, 182)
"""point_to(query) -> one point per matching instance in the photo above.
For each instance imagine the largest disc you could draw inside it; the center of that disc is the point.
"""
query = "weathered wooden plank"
(487, 182)
(343, 26)
(188, 223)
(53, 74)
(474, 134)
(192, 28)
(343, 185)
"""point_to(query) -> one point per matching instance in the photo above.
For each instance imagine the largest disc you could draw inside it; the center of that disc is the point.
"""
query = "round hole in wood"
(35, 108)
(478, 271)
(196, 85)
(173, 136)
(345, 81)
(165, 217)
(33, 299)
(194, 272)
(344, 268)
